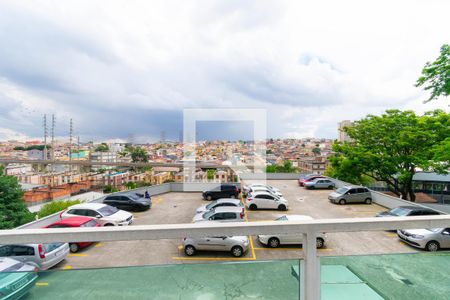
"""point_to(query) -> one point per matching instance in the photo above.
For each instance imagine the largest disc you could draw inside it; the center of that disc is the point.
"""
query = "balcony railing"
(310, 273)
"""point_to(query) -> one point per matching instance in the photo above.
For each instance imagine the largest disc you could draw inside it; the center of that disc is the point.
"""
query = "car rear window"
(90, 223)
(51, 247)
(399, 212)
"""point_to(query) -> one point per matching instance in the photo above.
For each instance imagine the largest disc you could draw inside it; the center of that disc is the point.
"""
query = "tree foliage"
(55, 206)
(286, 167)
(139, 154)
(436, 75)
(391, 147)
(13, 211)
(103, 147)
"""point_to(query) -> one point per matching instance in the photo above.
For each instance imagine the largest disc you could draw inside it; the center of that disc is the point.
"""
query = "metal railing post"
(310, 285)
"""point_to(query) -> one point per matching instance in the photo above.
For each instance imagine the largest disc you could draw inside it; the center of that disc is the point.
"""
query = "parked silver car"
(431, 239)
(351, 194)
(221, 214)
(275, 240)
(42, 256)
(237, 245)
(319, 183)
(219, 203)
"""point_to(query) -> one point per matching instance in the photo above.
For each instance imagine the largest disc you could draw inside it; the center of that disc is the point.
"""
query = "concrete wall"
(269, 176)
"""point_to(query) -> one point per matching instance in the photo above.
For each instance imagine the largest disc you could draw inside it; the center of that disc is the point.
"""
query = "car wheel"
(273, 242)
(252, 207)
(330, 187)
(432, 246)
(320, 243)
(108, 224)
(368, 201)
(74, 247)
(189, 250)
(281, 207)
(209, 198)
(237, 251)
(342, 201)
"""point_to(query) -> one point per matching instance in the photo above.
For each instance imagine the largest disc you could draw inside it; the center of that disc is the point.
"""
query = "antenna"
(45, 136)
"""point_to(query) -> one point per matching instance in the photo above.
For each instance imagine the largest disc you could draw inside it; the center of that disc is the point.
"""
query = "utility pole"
(70, 142)
(52, 151)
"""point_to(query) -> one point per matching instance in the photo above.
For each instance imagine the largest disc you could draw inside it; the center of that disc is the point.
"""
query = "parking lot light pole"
(310, 275)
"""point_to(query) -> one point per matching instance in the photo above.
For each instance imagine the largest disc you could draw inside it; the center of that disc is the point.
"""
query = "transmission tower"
(52, 155)
(70, 142)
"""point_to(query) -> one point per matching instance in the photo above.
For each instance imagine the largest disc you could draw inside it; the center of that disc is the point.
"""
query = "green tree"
(316, 151)
(210, 174)
(436, 75)
(103, 147)
(131, 185)
(286, 167)
(13, 211)
(391, 147)
(139, 154)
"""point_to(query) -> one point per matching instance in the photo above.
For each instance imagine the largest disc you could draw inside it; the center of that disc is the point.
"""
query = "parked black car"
(129, 202)
(405, 211)
(222, 191)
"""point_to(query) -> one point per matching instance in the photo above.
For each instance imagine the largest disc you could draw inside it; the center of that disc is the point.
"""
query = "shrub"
(55, 206)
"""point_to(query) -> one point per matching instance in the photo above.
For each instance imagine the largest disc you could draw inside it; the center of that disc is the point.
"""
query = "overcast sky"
(127, 69)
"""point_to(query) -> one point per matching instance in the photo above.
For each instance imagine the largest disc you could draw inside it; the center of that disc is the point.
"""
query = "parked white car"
(221, 214)
(220, 203)
(265, 200)
(255, 189)
(105, 214)
(246, 188)
(274, 241)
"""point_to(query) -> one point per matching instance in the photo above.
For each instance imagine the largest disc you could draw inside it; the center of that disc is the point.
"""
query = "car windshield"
(342, 190)
(399, 212)
(108, 210)
(208, 214)
(50, 247)
(433, 229)
(211, 205)
(134, 196)
(90, 223)
(283, 218)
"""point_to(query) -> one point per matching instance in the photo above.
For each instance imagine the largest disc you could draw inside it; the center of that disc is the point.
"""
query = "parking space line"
(390, 234)
(41, 284)
(98, 245)
(289, 249)
(277, 249)
(67, 267)
(213, 258)
(78, 254)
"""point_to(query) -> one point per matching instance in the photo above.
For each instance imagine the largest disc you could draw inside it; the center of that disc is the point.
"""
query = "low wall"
(270, 176)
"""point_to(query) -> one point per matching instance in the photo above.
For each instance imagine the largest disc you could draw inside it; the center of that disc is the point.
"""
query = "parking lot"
(174, 208)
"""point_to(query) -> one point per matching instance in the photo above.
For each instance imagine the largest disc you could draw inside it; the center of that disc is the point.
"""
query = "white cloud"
(314, 63)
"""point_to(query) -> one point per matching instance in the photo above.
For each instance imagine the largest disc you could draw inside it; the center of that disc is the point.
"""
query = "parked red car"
(301, 182)
(75, 222)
